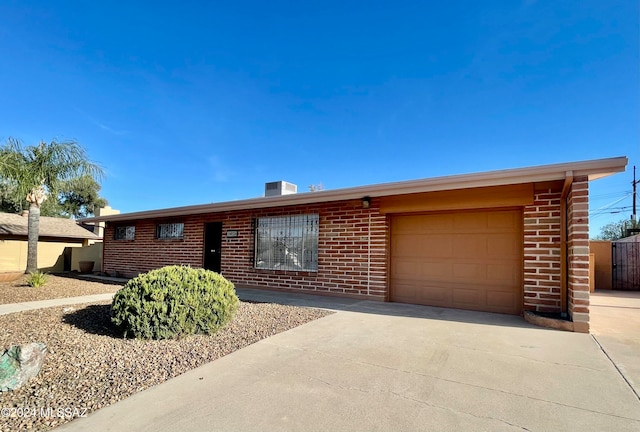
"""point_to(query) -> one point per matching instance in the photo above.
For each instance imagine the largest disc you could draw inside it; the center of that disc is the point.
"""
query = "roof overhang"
(593, 169)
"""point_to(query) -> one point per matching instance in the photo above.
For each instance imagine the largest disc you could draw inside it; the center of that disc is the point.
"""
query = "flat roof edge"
(593, 169)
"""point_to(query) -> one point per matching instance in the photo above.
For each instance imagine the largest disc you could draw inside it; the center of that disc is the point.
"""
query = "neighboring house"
(502, 241)
(56, 234)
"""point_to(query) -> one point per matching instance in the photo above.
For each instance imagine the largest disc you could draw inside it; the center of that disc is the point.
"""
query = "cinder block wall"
(542, 251)
(352, 246)
(87, 253)
(13, 255)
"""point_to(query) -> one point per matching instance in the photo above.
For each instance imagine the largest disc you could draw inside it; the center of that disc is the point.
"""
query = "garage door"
(469, 260)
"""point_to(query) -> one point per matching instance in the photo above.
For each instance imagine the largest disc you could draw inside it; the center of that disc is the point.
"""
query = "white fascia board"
(593, 169)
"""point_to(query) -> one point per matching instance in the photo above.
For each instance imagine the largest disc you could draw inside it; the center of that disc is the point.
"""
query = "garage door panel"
(414, 225)
(503, 301)
(406, 292)
(421, 245)
(503, 220)
(406, 269)
(437, 271)
(468, 271)
(502, 245)
(436, 224)
(469, 222)
(507, 273)
(412, 271)
(403, 247)
(468, 246)
(436, 294)
(436, 246)
(469, 260)
(415, 292)
(466, 298)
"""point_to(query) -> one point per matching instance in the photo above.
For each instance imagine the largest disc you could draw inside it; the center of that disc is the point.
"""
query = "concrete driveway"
(381, 367)
(615, 324)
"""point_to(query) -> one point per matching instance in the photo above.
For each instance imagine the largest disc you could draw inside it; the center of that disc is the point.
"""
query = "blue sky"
(194, 102)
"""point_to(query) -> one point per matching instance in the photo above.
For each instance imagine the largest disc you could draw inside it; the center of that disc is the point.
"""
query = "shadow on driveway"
(382, 308)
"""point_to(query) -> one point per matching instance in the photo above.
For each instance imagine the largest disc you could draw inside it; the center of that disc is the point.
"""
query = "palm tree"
(35, 172)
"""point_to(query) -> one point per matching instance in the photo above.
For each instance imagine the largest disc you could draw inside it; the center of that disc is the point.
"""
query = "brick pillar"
(578, 253)
(542, 252)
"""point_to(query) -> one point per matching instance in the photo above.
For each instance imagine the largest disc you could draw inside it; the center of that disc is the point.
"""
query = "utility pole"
(635, 182)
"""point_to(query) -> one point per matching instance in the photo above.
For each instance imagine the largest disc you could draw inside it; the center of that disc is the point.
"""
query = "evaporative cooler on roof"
(279, 188)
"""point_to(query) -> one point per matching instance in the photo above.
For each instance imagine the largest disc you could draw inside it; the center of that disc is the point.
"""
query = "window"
(166, 231)
(287, 243)
(125, 232)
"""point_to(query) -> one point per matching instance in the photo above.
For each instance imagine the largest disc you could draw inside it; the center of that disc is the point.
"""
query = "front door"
(213, 246)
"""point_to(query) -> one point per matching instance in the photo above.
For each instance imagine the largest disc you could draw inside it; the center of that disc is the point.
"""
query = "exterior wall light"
(366, 202)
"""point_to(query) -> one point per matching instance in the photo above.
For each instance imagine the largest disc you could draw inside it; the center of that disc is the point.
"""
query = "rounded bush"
(174, 301)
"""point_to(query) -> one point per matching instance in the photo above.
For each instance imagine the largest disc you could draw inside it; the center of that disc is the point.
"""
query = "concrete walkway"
(383, 366)
(41, 304)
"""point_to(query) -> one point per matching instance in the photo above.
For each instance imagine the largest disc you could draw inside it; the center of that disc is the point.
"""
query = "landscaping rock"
(20, 363)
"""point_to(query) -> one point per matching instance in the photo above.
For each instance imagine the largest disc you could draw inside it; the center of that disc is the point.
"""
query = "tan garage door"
(468, 260)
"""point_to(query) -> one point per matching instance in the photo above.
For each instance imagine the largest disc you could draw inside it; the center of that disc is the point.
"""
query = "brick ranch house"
(505, 241)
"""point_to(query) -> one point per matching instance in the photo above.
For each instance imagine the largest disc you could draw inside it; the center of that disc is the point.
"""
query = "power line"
(610, 195)
(634, 183)
(604, 207)
(610, 212)
(610, 209)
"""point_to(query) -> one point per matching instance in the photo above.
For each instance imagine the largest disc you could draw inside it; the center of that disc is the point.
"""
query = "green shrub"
(174, 301)
(37, 279)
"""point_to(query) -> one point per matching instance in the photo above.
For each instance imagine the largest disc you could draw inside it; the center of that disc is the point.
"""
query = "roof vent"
(279, 188)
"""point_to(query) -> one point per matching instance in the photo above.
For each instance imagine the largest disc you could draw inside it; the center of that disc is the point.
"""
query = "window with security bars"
(165, 231)
(125, 233)
(287, 242)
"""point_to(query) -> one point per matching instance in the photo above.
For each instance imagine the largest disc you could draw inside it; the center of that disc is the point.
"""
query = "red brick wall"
(352, 249)
(542, 252)
(578, 253)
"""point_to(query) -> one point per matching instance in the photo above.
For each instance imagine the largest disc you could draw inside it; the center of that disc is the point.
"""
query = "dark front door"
(213, 246)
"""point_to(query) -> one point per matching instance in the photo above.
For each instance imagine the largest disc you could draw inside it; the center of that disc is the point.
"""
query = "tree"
(8, 201)
(79, 197)
(617, 230)
(37, 171)
(76, 198)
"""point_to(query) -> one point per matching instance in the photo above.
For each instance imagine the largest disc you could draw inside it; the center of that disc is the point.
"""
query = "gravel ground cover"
(88, 366)
(56, 287)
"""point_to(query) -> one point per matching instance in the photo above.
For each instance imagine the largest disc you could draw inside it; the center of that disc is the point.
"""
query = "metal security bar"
(170, 230)
(125, 233)
(287, 242)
